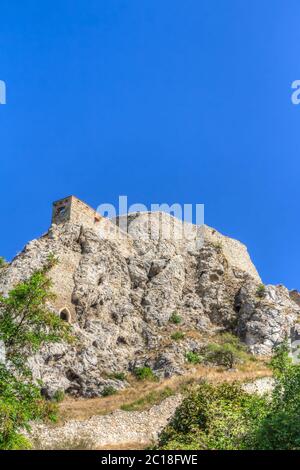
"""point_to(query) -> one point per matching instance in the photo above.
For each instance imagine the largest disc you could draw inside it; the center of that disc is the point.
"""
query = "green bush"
(117, 376)
(144, 373)
(175, 318)
(225, 417)
(3, 262)
(59, 396)
(26, 324)
(177, 336)
(261, 290)
(108, 390)
(193, 358)
(280, 428)
(20, 403)
(228, 352)
(213, 418)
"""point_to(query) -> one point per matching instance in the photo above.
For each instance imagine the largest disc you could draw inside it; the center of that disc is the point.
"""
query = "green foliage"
(226, 417)
(25, 321)
(108, 390)
(20, 402)
(177, 336)
(175, 318)
(117, 376)
(149, 400)
(3, 262)
(213, 418)
(280, 429)
(193, 358)
(25, 325)
(144, 373)
(59, 396)
(261, 290)
(228, 352)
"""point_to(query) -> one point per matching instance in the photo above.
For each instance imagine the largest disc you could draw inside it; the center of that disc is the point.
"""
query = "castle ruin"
(71, 209)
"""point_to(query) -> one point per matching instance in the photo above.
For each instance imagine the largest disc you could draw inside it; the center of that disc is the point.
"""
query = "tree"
(226, 417)
(213, 417)
(280, 429)
(228, 352)
(26, 324)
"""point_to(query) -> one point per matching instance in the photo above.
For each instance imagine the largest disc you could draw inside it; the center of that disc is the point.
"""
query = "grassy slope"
(142, 395)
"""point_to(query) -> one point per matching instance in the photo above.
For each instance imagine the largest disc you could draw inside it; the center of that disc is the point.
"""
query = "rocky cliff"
(121, 291)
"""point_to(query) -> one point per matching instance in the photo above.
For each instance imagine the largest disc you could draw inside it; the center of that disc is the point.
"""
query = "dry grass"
(81, 409)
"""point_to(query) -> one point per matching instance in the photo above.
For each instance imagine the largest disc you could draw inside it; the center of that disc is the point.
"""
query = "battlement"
(72, 209)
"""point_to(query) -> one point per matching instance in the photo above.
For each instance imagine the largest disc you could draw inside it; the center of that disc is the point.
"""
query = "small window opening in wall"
(65, 315)
(61, 210)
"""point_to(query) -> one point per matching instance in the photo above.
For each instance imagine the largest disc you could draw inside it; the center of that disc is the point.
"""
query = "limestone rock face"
(265, 320)
(121, 291)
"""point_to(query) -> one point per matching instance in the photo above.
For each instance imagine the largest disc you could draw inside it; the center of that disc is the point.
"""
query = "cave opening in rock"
(65, 315)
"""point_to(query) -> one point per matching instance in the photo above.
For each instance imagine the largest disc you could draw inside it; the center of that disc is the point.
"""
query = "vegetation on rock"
(25, 325)
(175, 318)
(144, 373)
(228, 351)
(193, 357)
(108, 391)
(226, 417)
(261, 290)
(177, 336)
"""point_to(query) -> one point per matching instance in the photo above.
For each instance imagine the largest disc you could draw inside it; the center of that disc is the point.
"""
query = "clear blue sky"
(164, 101)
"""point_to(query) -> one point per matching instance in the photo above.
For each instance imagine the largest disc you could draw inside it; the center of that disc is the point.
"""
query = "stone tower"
(72, 209)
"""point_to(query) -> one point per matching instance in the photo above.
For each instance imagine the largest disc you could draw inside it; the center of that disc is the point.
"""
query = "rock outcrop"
(120, 292)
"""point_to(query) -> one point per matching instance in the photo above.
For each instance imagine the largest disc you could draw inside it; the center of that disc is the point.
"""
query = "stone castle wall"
(72, 209)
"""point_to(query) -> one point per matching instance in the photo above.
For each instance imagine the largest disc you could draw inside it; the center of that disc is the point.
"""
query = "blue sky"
(164, 101)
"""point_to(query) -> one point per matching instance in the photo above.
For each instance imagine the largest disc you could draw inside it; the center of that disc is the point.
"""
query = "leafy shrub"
(193, 358)
(20, 403)
(226, 417)
(144, 373)
(25, 321)
(175, 318)
(213, 417)
(177, 336)
(228, 352)
(3, 263)
(280, 428)
(59, 396)
(108, 390)
(261, 290)
(25, 325)
(118, 376)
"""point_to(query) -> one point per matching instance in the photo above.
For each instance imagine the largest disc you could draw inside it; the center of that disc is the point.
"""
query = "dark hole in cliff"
(65, 315)
(45, 393)
(72, 376)
(121, 340)
(237, 303)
